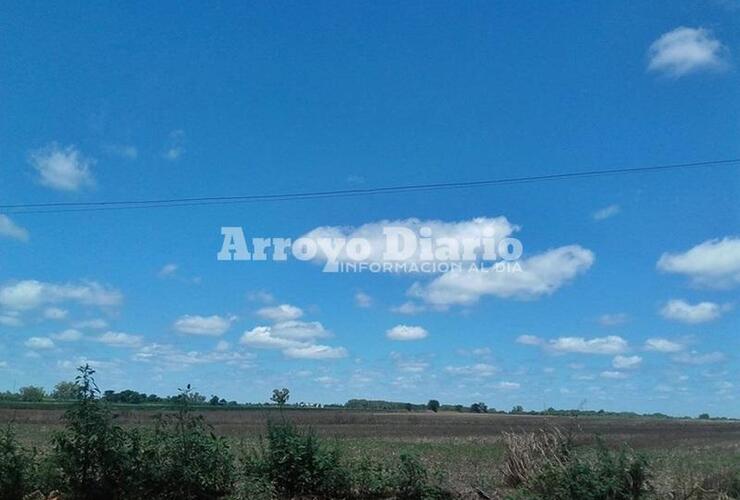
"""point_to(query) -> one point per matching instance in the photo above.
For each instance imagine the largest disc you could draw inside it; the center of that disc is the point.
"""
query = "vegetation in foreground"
(181, 458)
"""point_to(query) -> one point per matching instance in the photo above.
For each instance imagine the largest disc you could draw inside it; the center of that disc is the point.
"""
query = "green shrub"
(297, 464)
(95, 458)
(605, 476)
(16, 467)
(184, 460)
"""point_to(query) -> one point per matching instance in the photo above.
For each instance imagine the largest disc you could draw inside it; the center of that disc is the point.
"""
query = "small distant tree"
(479, 407)
(32, 393)
(66, 391)
(408, 406)
(280, 396)
(704, 416)
(433, 405)
(517, 409)
(214, 401)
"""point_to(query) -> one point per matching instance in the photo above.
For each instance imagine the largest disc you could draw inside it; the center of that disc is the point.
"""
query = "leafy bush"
(184, 460)
(297, 464)
(546, 467)
(94, 456)
(16, 467)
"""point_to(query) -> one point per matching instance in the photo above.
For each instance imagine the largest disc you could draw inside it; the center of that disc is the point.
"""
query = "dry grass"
(528, 452)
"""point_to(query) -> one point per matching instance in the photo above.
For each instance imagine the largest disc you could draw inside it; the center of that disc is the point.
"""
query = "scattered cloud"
(679, 310)
(696, 358)
(687, 50)
(405, 332)
(475, 370)
(614, 375)
(222, 346)
(37, 343)
(540, 275)
(363, 300)
(260, 296)
(125, 151)
(529, 340)
(95, 324)
(626, 362)
(410, 308)
(606, 212)
(172, 358)
(296, 339)
(474, 229)
(69, 335)
(10, 319)
(663, 345)
(613, 319)
(167, 271)
(55, 313)
(30, 294)
(119, 339)
(315, 352)
(203, 325)
(713, 263)
(62, 168)
(283, 312)
(10, 229)
(507, 386)
(611, 344)
(175, 145)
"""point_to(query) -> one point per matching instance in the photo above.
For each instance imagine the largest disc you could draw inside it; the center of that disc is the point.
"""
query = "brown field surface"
(466, 447)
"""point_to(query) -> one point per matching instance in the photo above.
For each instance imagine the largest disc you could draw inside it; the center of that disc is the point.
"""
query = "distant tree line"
(69, 391)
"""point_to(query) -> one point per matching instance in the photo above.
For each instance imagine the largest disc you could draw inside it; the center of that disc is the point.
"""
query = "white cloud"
(662, 345)
(363, 300)
(167, 271)
(69, 335)
(119, 339)
(476, 370)
(626, 362)
(55, 313)
(507, 386)
(315, 352)
(695, 358)
(613, 319)
(686, 50)
(606, 212)
(172, 358)
(540, 275)
(615, 375)
(283, 312)
(409, 308)
(713, 263)
(404, 332)
(296, 339)
(529, 340)
(10, 320)
(611, 344)
(203, 325)
(64, 169)
(95, 323)
(679, 310)
(175, 145)
(29, 294)
(125, 151)
(39, 343)
(260, 296)
(474, 229)
(222, 346)
(10, 229)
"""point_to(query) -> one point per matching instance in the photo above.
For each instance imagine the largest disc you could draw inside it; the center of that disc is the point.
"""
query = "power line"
(62, 207)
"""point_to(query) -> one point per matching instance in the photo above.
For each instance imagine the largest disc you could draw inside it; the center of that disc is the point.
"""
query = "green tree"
(479, 407)
(433, 405)
(32, 393)
(517, 409)
(66, 391)
(280, 396)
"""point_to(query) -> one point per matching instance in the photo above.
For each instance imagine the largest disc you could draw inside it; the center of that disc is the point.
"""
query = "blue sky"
(641, 273)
